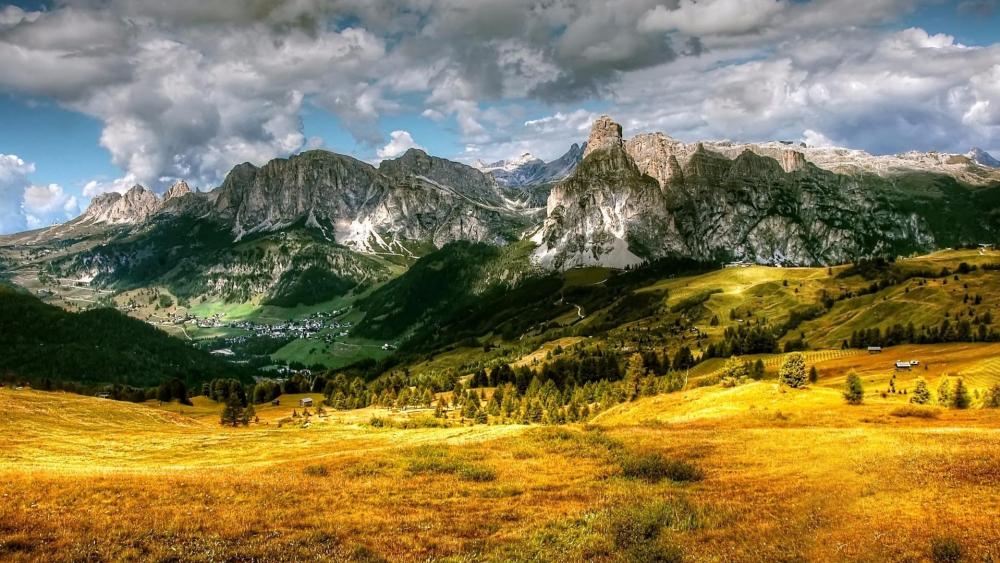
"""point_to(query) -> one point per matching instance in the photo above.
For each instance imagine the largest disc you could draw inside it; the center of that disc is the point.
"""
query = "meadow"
(752, 473)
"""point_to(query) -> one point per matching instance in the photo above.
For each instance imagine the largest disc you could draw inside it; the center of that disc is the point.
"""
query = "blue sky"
(96, 97)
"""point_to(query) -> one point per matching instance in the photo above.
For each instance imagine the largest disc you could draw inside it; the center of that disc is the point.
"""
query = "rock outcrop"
(179, 189)
(410, 200)
(112, 208)
(604, 134)
(653, 196)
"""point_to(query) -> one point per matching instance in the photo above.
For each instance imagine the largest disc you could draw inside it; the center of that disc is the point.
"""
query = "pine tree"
(961, 399)
(793, 371)
(944, 392)
(684, 359)
(921, 394)
(248, 414)
(231, 412)
(992, 398)
(854, 394)
(813, 375)
(635, 371)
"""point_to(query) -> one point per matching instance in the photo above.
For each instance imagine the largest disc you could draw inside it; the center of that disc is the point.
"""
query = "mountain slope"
(653, 197)
(528, 170)
(95, 347)
(982, 158)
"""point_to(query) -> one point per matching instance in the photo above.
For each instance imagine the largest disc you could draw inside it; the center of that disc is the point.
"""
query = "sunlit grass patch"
(631, 527)
(368, 468)
(438, 460)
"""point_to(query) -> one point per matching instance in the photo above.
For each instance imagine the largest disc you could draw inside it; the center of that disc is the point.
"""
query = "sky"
(99, 95)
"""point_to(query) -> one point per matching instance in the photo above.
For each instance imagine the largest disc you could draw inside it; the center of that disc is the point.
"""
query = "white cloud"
(816, 139)
(13, 181)
(188, 89)
(96, 187)
(432, 114)
(45, 205)
(399, 142)
(712, 17)
(26, 206)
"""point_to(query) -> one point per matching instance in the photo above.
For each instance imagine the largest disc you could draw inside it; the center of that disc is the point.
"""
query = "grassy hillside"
(43, 342)
(746, 474)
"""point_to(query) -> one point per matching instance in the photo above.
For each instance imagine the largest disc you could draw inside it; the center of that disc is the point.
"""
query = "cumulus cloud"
(399, 142)
(189, 88)
(13, 181)
(713, 17)
(26, 206)
(45, 205)
(96, 187)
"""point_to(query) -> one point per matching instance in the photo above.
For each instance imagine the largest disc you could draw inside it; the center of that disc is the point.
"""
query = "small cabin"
(903, 365)
(874, 349)
(104, 395)
(307, 402)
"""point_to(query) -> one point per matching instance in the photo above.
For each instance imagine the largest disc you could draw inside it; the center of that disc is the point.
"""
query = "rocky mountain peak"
(135, 206)
(180, 188)
(604, 133)
(982, 158)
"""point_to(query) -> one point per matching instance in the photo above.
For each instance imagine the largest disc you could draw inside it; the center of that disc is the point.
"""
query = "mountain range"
(610, 201)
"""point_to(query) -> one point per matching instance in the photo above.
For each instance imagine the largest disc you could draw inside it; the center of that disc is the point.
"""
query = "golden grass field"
(788, 475)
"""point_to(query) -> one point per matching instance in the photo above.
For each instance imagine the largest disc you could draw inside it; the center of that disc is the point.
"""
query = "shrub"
(854, 393)
(946, 550)
(476, 474)
(682, 471)
(736, 368)
(793, 371)
(636, 528)
(915, 412)
(653, 467)
(316, 470)
(433, 460)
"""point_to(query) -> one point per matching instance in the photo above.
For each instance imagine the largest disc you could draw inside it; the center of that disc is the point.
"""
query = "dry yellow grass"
(788, 475)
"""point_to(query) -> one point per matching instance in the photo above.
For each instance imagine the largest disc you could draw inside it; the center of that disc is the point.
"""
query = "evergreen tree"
(992, 399)
(960, 399)
(944, 392)
(231, 412)
(921, 394)
(793, 371)
(248, 414)
(854, 393)
(683, 359)
(813, 374)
